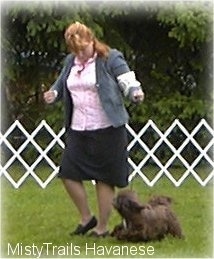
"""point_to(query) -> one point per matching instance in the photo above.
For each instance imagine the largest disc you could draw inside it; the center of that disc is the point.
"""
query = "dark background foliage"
(168, 44)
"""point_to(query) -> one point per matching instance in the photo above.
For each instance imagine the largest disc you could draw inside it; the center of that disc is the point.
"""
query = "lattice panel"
(149, 146)
(43, 153)
(176, 152)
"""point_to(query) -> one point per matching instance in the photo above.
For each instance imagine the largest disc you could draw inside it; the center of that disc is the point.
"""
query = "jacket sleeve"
(57, 86)
(120, 70)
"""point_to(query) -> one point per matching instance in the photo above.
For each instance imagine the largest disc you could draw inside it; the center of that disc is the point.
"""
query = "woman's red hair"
(77, 37)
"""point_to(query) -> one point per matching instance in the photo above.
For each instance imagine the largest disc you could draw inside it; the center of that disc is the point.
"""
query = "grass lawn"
(31, 217)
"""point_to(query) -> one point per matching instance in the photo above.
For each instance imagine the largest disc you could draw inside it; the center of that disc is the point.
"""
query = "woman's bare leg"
(78, 195)
(105, 195)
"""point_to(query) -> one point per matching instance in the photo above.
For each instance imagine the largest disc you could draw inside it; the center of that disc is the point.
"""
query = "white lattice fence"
(149, 148)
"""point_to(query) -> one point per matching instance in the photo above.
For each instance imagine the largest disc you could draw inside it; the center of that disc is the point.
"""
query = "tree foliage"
(169, 47)
(188, 23)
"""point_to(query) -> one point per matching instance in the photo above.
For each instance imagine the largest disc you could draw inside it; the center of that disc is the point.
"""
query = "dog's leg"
(117, 229)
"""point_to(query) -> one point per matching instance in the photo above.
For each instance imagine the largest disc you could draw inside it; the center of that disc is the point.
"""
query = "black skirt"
(99, 155)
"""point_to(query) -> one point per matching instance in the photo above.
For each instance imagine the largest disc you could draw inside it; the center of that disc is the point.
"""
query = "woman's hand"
(49, 96)
(138, 96)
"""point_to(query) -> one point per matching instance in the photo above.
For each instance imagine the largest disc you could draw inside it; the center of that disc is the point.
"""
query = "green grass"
(34, 216)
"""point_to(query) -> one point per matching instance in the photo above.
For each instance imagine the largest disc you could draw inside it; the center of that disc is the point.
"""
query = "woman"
(92, 82)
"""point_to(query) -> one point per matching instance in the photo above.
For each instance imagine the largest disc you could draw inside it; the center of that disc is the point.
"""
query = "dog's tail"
(174, 227)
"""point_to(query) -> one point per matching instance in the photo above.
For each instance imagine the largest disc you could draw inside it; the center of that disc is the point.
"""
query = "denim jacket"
(108, 89)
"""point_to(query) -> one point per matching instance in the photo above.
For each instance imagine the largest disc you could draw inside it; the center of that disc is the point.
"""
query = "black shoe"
(95, 234)
(81, 230)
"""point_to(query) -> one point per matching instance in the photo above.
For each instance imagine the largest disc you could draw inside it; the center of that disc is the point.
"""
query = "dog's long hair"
(145, 222)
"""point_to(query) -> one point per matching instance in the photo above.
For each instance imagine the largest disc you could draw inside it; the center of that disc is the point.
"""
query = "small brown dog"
(145, 222)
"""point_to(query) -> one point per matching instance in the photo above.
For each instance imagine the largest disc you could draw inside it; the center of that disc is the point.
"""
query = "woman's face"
(86, 53)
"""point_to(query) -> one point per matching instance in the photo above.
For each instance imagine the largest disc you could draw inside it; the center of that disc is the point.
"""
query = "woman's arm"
(55, 93)
(127, 81)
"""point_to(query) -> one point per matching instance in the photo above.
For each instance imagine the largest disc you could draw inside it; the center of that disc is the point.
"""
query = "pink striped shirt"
(88, 113)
